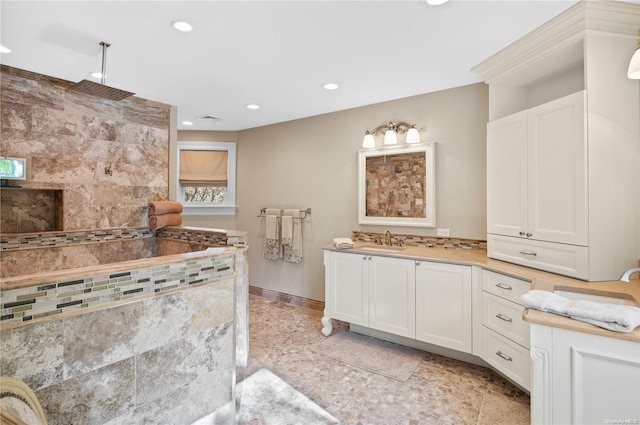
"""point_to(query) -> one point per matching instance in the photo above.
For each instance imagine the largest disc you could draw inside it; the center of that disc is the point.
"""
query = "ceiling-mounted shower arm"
(103, 75)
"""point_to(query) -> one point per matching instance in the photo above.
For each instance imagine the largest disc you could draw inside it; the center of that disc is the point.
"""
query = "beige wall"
(313, 163)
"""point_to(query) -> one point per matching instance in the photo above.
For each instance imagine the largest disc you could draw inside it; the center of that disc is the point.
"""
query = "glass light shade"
(369, 141)
(390, 138)
(634, 66)
(413, 136)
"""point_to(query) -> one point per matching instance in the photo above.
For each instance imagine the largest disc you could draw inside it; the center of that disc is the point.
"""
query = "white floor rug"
(265, 399)
(382, 357)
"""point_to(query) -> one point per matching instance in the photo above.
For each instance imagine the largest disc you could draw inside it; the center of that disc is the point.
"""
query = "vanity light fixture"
(391, 130)
(634, 66)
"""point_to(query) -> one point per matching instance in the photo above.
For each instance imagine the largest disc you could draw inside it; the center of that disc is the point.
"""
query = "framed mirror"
(396, 186)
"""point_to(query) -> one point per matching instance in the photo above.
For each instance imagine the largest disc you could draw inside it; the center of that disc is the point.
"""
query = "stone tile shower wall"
(69, 138)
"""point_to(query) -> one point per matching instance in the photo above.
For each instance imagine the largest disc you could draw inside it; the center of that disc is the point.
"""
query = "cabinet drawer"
(567, 260)
(504, 286)
(506, 356)
(505, 317)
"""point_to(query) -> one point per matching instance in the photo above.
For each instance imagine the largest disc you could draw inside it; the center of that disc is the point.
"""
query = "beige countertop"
(539, 280)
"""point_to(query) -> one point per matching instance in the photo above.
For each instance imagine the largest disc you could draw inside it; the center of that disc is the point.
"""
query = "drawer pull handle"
(504, 286)
(503, 317)
(504, 356)
(532, 253)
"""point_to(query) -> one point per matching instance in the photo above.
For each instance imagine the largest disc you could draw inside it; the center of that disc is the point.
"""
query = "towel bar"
(304, 212)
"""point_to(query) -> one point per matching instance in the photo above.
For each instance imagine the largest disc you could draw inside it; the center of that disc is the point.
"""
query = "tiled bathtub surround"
(417, 240)
(61, 295)
(158, 360)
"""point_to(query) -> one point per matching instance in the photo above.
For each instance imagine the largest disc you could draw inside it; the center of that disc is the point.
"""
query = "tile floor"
(440, 391)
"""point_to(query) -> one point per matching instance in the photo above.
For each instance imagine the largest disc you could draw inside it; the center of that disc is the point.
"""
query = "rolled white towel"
(343, 243)
(619, 318)
(547, 301)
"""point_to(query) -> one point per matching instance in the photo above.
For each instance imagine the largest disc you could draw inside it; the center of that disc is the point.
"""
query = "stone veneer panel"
(154, 360)
(69, 138)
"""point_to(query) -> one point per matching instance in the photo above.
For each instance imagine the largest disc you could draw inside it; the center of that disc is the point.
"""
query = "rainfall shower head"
(100, 89)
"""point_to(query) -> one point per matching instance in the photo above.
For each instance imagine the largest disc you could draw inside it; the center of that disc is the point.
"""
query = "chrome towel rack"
(304, 213)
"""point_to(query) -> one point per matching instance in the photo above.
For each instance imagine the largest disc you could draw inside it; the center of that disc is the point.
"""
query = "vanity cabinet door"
(443, 305)
(346, 287)
(392, 285)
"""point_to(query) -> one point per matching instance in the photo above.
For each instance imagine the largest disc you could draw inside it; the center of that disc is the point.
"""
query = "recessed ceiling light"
(187, 123)
(181, 26)
(4, 49)
(330, 86)
(436, 2)
(253, 106)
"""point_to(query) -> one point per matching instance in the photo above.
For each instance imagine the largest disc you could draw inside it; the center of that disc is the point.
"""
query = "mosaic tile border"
(53, 239)
(33, 302)
(416, 240)
(211, 238)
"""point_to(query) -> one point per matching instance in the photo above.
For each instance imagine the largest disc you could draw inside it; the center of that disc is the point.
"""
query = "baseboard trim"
(286, 298)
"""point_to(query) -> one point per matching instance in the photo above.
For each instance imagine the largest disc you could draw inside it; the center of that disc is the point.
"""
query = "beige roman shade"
(203, 168)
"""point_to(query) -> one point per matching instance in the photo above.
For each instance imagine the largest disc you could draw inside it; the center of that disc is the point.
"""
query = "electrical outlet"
(443, 232)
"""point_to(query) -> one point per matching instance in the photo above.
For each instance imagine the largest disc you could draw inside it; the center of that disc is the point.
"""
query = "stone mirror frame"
(396, 186)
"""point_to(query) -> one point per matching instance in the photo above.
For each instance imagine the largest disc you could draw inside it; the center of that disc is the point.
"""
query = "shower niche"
(29, 210)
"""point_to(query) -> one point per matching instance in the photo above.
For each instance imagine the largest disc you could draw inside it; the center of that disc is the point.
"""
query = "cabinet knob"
(529, 235)
(521, 233)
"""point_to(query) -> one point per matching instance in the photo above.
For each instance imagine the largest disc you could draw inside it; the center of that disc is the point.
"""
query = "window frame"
(228, 207)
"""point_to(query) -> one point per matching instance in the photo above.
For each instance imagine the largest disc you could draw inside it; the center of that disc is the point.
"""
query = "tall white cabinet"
(563, 144)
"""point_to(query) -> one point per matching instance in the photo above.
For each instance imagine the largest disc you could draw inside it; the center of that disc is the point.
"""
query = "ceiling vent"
(209, 118)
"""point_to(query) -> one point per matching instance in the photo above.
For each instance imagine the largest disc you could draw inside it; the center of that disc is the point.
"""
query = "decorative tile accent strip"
(207, 237)
(416, 240)
(24, 304)
(49, 239)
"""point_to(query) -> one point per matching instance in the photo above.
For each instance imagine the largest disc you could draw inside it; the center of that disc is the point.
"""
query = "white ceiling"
(273, 53)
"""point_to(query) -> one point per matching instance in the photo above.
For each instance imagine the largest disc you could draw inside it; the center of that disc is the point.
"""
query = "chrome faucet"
(626, 275)
(387, 237)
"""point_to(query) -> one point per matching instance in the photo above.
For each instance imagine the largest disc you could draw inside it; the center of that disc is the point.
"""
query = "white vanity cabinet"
(536, 173)
(443, 305)
(373, 291)
(583, 379)
(562, 145)
(505, 336)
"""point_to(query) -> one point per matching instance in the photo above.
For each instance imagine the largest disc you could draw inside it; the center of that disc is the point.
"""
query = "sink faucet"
(387, 237)
(626, 275)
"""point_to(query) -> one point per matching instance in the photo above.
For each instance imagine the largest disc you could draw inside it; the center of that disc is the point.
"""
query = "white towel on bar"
(293, 251)
(619, 318)
(287, 230)
(272, 248)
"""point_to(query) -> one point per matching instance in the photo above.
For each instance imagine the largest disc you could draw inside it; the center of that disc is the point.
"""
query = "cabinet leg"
(327, 326)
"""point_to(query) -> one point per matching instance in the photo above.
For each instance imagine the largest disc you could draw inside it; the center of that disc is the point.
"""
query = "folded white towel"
(547, 301)
(619, 318)
(271, 230)
(293, 253)
(343, 243)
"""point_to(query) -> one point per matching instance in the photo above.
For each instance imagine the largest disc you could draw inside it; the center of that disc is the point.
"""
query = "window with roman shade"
(205, 177)
(203, 168)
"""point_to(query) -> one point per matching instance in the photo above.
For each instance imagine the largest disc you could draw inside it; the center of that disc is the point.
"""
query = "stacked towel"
(619, 318)
(343, 243)
(164, 213)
